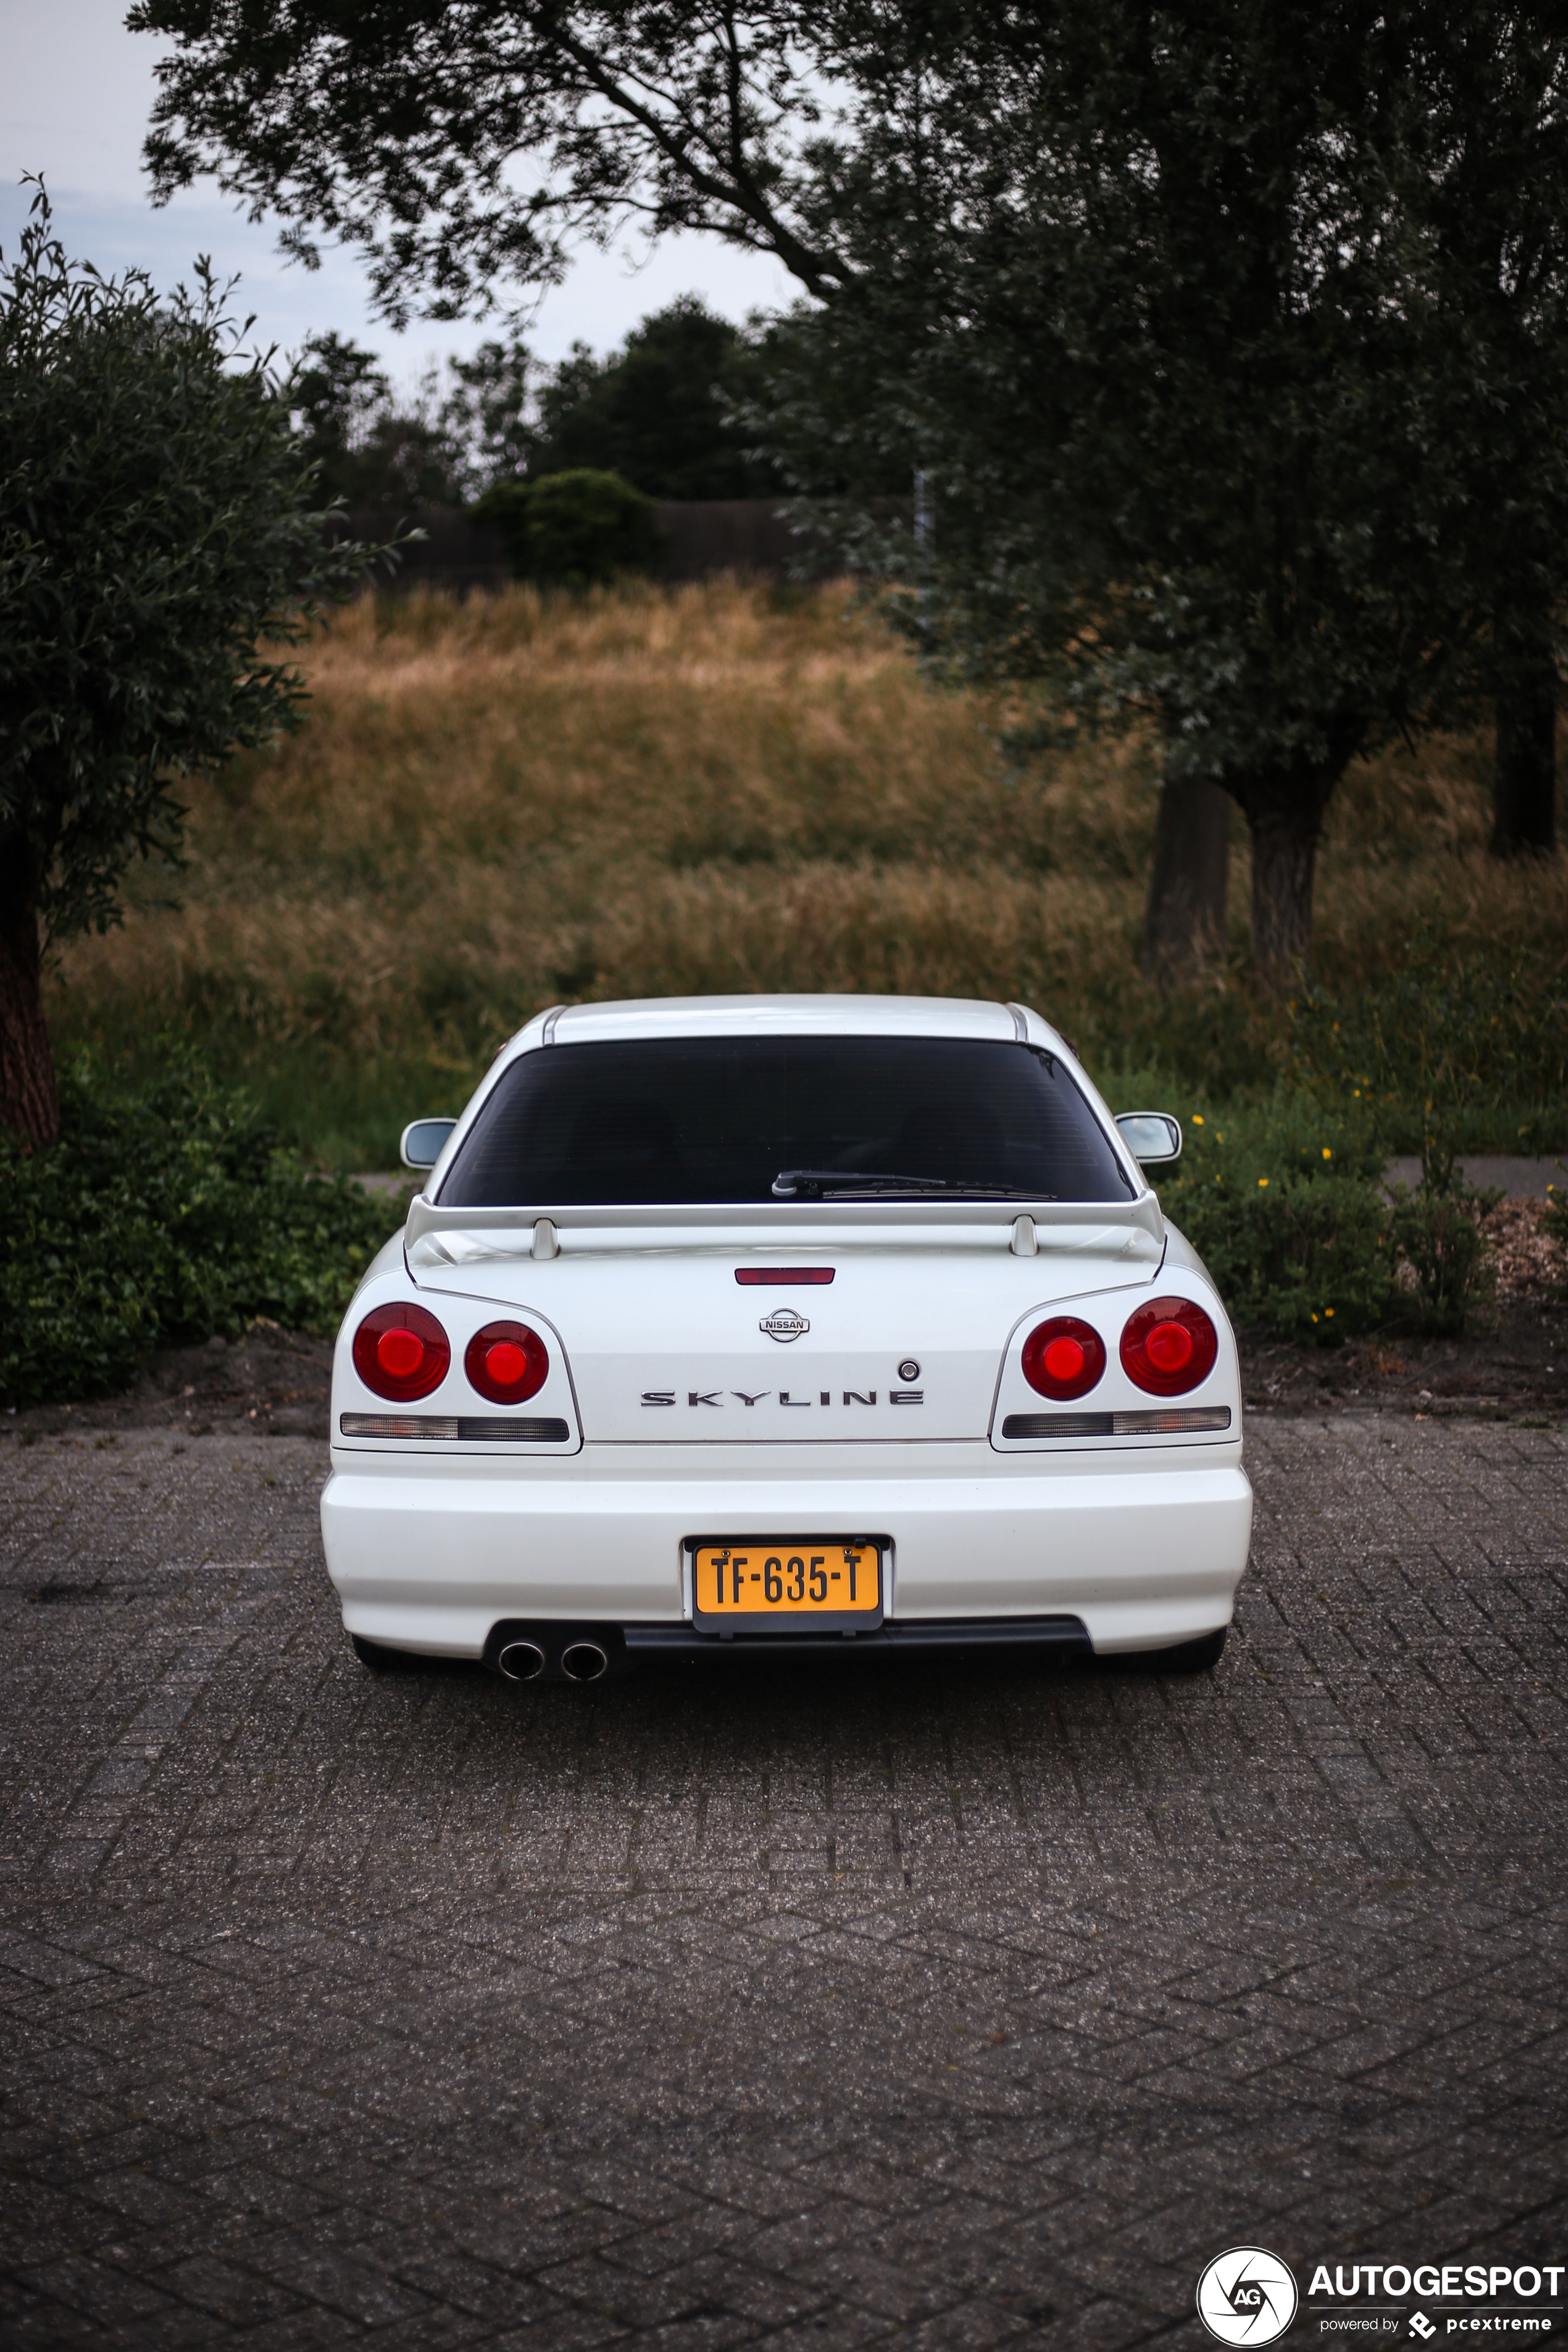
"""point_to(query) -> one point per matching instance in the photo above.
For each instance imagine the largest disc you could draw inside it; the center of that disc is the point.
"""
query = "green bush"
(1438, 1236)
(1307, 1260)
(573, 529)
(162, 1213)
(1285, 1205)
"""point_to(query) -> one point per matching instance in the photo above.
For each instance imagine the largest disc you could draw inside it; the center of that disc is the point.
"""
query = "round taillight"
(401, 1353)
(1168, 1347)
(507, 1362)
(1064, 1357)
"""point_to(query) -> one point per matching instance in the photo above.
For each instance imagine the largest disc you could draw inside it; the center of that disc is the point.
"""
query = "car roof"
(834, 1016)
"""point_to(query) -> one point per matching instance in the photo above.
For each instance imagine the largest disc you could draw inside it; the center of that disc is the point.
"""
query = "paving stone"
(930, 2009)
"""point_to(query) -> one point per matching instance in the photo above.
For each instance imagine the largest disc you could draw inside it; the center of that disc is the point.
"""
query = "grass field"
(497, 805)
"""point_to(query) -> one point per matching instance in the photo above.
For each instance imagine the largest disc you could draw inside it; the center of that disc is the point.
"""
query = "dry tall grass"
(498, 805)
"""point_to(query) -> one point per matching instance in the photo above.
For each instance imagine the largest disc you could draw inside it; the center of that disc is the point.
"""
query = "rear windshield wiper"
(830, 1183)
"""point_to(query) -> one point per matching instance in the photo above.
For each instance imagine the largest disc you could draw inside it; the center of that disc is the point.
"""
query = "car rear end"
(837, 1410)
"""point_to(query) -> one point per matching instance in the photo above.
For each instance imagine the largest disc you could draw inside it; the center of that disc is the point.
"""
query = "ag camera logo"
(1247, 2295)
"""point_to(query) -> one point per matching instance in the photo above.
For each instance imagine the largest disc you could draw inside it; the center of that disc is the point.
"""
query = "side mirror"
(1152, 1137)
(424, 1141)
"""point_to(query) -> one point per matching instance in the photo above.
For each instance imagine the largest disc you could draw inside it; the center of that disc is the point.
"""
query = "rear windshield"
(672, 1120)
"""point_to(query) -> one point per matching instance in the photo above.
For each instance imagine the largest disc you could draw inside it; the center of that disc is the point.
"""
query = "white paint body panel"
(676, 1323)
(430, 1542)
(1147, 1553)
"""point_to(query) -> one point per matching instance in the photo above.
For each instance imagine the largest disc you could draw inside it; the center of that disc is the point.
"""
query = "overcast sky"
(76, 90)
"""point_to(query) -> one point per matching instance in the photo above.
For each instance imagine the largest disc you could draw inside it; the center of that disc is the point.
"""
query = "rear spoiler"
(1130, 1229)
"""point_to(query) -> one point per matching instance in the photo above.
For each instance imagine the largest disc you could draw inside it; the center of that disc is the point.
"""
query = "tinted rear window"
(706, 1118)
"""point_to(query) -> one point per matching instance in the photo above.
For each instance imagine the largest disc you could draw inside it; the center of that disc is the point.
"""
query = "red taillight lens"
(770, 1276)
(1168, 1347)
(507, 1362)
(1064, 1357)
(401, 1353)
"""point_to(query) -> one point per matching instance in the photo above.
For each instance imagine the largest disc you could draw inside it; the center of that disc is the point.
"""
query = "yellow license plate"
(757, 1584)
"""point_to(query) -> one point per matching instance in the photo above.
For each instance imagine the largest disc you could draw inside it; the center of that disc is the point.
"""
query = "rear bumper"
(1140, 1555)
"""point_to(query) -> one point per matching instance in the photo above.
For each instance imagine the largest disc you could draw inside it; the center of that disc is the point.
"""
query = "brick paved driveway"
(822, 2011)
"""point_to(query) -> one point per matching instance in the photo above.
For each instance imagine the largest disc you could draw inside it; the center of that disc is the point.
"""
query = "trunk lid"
(666, 1346)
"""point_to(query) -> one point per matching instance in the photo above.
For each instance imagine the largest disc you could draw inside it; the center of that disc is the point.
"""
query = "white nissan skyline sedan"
(770, 1324)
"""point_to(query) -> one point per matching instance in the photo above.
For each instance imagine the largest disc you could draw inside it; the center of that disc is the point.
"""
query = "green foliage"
(1222, 391)
(1310, 1262)
(486, 417)
(658, 411)
(366, 450)
(1447, 1034)
(1284, 1203)
(162, 1213)
(1437, 1235)
(572, 530)
(401, 131)
(1153, 320)
(156, 520)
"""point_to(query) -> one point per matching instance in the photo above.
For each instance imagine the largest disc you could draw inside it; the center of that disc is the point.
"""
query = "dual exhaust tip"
(524, 1658)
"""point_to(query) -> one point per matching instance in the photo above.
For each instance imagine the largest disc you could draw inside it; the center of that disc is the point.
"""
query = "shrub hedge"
(1286, 1207)
(573, 529)
(162, 1213)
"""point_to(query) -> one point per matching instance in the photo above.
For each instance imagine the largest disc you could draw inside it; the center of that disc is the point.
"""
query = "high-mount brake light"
(401, 1353)
(766, 1276)
(507, 1362)
(1168, 1347)
(1064, 1357)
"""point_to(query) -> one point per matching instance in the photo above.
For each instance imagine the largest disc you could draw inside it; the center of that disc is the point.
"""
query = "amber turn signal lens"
(1064, 1357)
(1168, 1347)
(401, 1353)
(507, 1362)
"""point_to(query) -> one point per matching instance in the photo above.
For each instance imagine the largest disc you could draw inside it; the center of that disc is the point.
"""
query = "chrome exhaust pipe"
(521, 1662)
(584, 1662)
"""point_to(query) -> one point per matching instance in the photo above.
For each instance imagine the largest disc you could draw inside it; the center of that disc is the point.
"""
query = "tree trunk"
(1184, 921)
(1524, 790)
(29, 1096)
(1284, 829)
